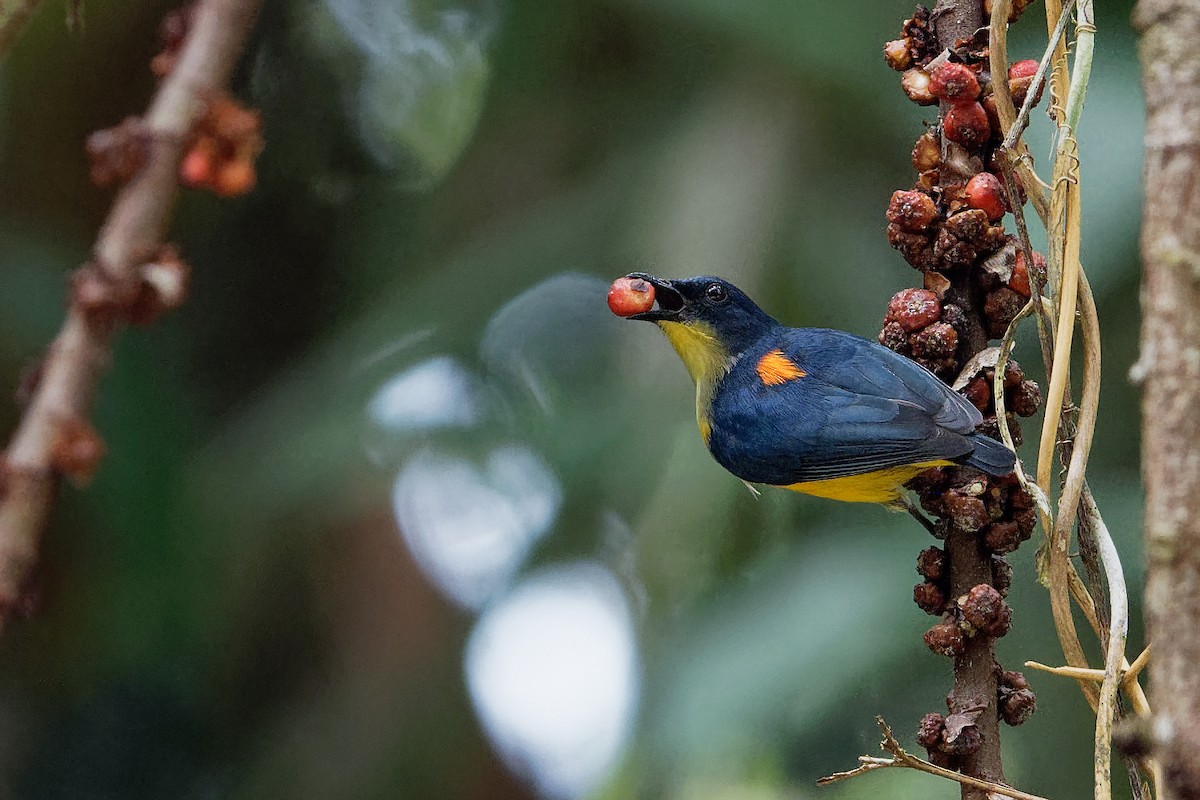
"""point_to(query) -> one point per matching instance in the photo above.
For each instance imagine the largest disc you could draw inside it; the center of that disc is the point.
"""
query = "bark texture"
(1170, 367)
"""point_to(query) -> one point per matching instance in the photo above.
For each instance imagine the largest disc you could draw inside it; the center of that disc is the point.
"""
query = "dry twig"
(902, 758)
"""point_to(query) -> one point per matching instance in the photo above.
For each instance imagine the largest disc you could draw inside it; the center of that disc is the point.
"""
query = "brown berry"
(897, 54)
(979, 393)
(954, 83)
(1016, 700)
(930, 598)
(1002, 537)
(894, 337)
(1019, 282)
(1026, 519)
(1001, 308)
(929, 731)
(913, 309)
(1025, 399)
(931, 563)
(993, 114)
(967, 124)
(962, 237)
(1020, 80)
(985, 193)
(945, 638)
(629, 296)
(915, 83)
(927, 152)
(1013, 375)
(913, 211)
(915, 247)
(935, 341)
(985, 610)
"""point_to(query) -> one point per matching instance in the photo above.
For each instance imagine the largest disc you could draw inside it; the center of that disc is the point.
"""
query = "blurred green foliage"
(227, 610)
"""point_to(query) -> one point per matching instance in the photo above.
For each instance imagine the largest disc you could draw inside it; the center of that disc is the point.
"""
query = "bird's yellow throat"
(706, 361)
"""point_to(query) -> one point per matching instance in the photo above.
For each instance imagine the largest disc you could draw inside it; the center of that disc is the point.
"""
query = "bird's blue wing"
(868, 368)
(858, 408)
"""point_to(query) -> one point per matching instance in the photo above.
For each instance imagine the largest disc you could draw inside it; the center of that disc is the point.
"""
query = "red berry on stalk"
(985, 193)
(629, 296)
(967, 124)
(1022, 69)
(234, 178)
(196, 168)
(954, 82)
(913, 309)
(1019, 282)
(1020, 79)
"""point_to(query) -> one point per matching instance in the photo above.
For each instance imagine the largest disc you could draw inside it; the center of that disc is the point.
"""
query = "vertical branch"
(949, 226)
(975, 678)
(1170, 366)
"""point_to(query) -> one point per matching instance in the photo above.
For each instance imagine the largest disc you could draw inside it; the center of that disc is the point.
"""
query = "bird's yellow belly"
(880, 486)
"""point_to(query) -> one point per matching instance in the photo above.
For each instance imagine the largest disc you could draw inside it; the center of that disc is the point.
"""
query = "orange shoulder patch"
(775, 368)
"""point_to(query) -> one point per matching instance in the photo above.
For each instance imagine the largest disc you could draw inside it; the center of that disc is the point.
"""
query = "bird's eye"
(716, 293)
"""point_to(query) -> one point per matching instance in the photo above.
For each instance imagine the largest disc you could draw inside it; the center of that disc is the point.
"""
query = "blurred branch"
(1169, 365)
(54, 429)
(13, 16)
(902, 758)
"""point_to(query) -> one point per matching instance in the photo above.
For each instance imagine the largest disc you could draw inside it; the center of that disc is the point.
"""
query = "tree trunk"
(975, 678)
(1170, 366)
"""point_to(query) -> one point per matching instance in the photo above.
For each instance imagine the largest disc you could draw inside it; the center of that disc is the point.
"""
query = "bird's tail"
(991, 456)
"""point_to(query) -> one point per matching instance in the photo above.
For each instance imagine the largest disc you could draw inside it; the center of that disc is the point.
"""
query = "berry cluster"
(1022, 398)
(221, 148)
(921, 327)
(948, 737)
(949, 226)
(224, 145)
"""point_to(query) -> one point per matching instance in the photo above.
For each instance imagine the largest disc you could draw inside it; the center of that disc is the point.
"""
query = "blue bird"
(814, 410)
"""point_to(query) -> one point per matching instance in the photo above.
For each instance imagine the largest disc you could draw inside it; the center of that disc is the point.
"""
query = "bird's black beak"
(668, 302)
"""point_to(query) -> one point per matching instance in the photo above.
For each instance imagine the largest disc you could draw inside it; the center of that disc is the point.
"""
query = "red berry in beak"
(629, 296)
